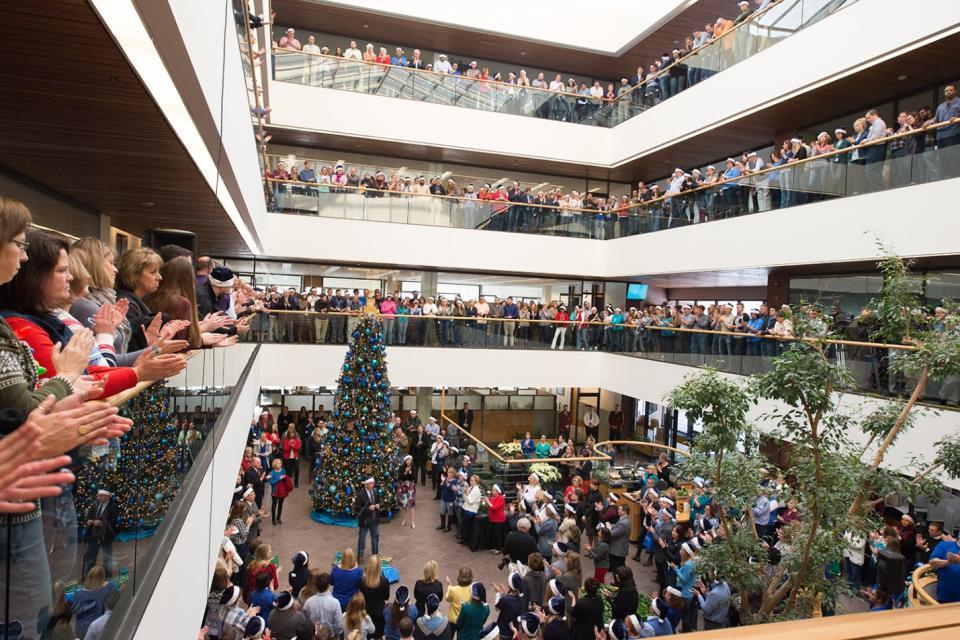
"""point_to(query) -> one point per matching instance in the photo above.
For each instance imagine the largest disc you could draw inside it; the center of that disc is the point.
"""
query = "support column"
(428, 284)
(424, 403)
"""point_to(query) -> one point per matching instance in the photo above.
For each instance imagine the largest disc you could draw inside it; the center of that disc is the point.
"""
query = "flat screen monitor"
(636, 292)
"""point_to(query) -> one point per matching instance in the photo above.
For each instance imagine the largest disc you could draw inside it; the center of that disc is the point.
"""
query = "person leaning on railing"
(39, 421)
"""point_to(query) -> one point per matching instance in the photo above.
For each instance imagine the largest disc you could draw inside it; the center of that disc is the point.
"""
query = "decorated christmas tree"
(139, 468)
(358, 443)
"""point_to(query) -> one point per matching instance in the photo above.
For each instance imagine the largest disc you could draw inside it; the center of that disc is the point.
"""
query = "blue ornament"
(333, 489)
(374, 362)
(355, 334)
(377, 375)
(368, 448)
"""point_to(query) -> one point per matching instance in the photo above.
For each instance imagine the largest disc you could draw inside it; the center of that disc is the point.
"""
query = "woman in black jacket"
(138, 275)
(626, 600)
(587, 613)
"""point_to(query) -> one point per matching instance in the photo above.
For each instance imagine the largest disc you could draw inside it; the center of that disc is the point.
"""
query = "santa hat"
(616, 630)
(529, 624)
(255, 627)
(560, 548)
(490, 632)
(557, 588)
(515, 580)
(556, 605)
(284, 600)
(230, 596)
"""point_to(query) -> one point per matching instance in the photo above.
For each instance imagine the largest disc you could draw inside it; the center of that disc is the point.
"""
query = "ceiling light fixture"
(901, 77)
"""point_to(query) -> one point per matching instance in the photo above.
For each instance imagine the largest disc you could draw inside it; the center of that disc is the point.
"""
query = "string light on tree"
(358, 443)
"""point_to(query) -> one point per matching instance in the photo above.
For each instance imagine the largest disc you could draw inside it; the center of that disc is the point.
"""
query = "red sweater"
(118, 378)
(291, 448)
(495, 510)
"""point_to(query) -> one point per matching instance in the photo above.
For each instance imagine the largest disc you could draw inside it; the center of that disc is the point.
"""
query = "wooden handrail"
(834, 341)
(444, 416)
(118, 399)
(917, 592)
(641, 443)
(619, 210)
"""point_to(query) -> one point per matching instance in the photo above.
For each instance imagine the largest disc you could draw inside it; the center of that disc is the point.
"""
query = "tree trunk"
(890, 437)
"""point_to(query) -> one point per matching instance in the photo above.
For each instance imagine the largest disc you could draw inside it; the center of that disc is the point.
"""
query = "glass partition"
(900, 160)
(731, 352)
(735, 41)
(102, 532)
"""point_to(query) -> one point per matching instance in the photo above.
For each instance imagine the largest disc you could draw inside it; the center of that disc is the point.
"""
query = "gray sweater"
(620, 537)
(83, 310)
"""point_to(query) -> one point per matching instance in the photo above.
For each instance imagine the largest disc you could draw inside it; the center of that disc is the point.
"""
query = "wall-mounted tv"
(636, 292)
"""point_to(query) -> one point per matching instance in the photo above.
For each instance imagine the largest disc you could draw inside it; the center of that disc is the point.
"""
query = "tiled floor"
(409, 548)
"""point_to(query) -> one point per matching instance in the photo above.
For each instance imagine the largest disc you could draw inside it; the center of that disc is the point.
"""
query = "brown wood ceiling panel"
(412, 33)
(924, 67)
(77, 119)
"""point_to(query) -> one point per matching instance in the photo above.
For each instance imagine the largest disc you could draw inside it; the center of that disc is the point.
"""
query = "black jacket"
(138, 315)
(420, 446)
(518, 546)
(365, 517)
(106, 531)
(587, 615)
(465, 418)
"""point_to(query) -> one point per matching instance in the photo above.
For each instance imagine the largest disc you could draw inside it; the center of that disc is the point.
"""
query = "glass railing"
(735, 43)
(739, 353)
(915, 157)
(60, 564)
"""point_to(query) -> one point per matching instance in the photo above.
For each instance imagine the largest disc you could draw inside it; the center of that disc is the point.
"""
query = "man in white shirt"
(442, 65)
(591, 422)
(877, 153)
(311, 64)
(352, 52)
(430, 309)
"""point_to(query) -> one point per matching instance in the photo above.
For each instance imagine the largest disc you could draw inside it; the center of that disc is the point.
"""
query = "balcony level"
(911, 220)
(829, 81)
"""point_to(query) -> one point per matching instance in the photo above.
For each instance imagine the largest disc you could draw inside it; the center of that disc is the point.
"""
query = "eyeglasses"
(23, 245)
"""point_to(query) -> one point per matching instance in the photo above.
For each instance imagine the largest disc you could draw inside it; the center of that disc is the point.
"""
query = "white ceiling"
(600, 26)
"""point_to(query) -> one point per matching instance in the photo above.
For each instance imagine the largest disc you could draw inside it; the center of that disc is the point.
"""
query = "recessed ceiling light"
(146, 204)
(523, 53)
(901, 77)
(366, 26)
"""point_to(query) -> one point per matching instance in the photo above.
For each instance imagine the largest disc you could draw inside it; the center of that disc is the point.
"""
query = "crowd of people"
(79, 324)
(671, 73)
(745, 184)
(547, 538)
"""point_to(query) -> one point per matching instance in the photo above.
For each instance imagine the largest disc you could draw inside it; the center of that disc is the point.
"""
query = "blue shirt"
(948, 578)
(527, 447)
(686, 576)
(399, 62)
(510, 311)
(732, 172)
(262, 598)
(945, 111)
(757, 324)
(394, 634)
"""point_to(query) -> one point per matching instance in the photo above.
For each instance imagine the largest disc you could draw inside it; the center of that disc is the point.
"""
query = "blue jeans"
(852, 573)
(388, 324)
(583, 339)
(698, 348)
(374, 529)
(30, 585)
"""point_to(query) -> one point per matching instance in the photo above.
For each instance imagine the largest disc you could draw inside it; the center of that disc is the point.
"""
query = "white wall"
(793, 66)
(913, 221)
(294, 365)
(197, 44)
(301, 107)
(180, 596)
